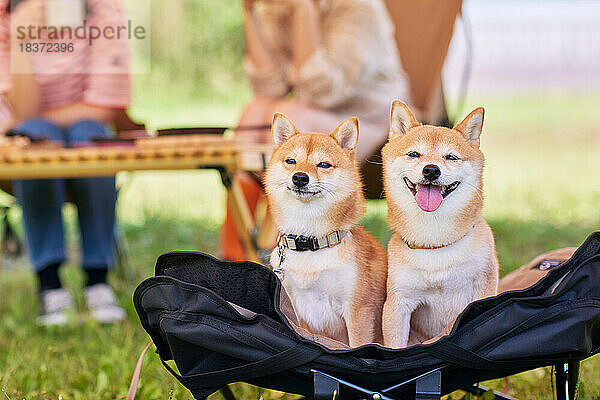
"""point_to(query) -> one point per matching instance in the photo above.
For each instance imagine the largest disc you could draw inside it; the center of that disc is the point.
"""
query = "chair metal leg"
(573, 379)
(429, 387)
(560, 374)
(567, 376)
(325, 387)
(479, 390)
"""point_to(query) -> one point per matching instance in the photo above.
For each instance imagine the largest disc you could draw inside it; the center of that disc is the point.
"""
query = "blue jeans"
(42, 200)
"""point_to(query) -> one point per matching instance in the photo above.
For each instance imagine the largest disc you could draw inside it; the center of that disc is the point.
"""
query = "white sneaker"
(55, 305)
(102, 304)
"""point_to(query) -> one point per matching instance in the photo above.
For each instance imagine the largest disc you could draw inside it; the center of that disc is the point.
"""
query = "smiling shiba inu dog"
(442, 254)
(333, 271)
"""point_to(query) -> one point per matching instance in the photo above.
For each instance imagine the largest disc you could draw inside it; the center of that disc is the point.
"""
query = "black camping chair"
(221, 322)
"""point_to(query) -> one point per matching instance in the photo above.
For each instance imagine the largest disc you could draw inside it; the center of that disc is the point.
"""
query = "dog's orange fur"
(451, 260)
(432, 137)
(351, 277)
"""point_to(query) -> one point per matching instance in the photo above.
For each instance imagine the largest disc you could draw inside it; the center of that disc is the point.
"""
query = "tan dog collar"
(414, 247)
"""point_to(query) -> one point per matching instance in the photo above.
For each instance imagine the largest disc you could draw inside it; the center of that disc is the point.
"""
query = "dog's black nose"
(300, 179)
(431, 172)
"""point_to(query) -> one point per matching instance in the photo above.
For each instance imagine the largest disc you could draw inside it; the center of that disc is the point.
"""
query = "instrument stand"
(10, 243)
(243, 219)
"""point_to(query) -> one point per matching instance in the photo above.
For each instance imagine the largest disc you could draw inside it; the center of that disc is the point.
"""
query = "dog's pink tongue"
(429, 197)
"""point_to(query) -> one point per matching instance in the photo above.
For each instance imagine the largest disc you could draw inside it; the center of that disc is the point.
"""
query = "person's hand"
(27, 13)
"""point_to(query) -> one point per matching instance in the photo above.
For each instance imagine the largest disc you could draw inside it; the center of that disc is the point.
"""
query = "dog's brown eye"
(413, 154)
(324, 164)
(452, 157)
(290, 161)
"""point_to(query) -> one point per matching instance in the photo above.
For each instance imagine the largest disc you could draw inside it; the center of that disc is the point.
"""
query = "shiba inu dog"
(442, 254)
(333, 271)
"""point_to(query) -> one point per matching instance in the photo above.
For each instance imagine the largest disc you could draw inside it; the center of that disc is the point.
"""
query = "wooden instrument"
(20, 160)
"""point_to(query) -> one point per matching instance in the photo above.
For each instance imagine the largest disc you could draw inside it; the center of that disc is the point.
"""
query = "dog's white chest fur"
(320, 284)
(444, 292)
(434, 286)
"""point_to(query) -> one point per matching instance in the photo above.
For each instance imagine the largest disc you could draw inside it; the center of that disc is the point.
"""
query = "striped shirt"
(96, 74)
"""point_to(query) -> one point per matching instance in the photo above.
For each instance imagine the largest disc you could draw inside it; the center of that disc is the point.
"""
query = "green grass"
(541, 193)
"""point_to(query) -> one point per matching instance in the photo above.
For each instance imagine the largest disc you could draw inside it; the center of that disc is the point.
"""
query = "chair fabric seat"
(223, 322)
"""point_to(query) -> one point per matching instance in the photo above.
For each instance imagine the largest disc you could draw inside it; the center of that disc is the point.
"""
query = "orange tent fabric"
(423, 32)
(424, 29)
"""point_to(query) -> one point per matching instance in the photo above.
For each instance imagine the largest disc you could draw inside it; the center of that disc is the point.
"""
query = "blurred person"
(318, 62)
(337, 58)
(70, 97)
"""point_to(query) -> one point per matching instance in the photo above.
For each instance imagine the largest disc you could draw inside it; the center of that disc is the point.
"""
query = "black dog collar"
(303, 243)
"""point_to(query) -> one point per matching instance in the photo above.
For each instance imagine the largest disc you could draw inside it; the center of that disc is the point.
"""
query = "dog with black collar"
(334, 272)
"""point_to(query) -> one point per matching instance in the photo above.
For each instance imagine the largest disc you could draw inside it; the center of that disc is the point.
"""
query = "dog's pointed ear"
(346, 134)
(472, 125)
(282, 128)
(401, 120)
